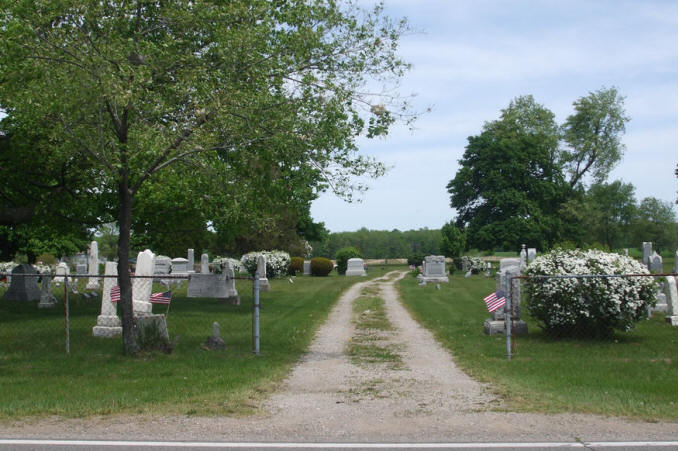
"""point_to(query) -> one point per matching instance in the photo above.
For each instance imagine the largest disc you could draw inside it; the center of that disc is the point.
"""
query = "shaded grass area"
(39, 378)
(633, 374)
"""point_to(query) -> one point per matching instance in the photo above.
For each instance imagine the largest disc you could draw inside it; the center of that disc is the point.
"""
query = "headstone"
(215, 341)
(108, 323)
(163, 265)
(655, 263)
(264, 284)
(531, 255)
(671, 293)
(215, 286)
(626, 251)
(307, 267)
(508, 269)
(190, 261)
(80, 269)
(151, 332)
(675, 263)
(488, 268)
(23, 288)
(179, 266)
(93, 266)
(434, 270)
(62, 270)
(204, 264)
(141, 287)
(47, 299)
(647, 252)
(355, 267)
(523, 258)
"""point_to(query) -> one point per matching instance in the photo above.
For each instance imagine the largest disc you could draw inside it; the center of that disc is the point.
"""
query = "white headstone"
(163, 264)
(355, 267)
(62, 270)
(204, 264)
(142, 287)
(671, 292)
(108, 323)
(531, 254)
(179, 266)
(523, 258)
(190, 261)
(647, 252)
(307, 268)
(93, 266)
(675, 263)
(264, 284)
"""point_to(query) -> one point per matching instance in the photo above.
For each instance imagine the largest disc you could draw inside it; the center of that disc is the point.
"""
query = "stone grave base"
(424, 280)
(264, 285)
(47, 303)
(356, 272)
(233, 300)
(493, 327)
(151, 332)
(142, 307)
(107, 326)
(673, 320)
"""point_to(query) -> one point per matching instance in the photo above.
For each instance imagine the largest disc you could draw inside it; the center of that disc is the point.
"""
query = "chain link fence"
(48, 313)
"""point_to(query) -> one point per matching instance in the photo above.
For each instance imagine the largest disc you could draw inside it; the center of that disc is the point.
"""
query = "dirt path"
(422, 398)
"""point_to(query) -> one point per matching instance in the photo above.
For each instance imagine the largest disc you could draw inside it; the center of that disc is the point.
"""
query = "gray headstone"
(47, 299)
(523, 258)
(675, 263)
(509, 268)
(179, 266)
(215, 341)
(264, 284)
(215, 286)
(307, 268)
(190, 261)
(647, 252)
(433, 270)
(80, 269)
(671, 293)
(656, 263)
(163, 265)
(355, 267)
(62, 270)
(204, 264)
(531, 255)
(23, 288)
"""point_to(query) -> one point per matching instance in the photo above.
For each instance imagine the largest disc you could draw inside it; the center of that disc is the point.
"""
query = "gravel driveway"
(425, 398)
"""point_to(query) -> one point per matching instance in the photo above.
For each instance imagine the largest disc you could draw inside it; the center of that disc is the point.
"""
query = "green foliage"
(453, 241)
(343, 255)
(509, 185)
(47, 259)
(296, 265)
(375, 244)
(655, 221)
(415, 259)
(321, 266)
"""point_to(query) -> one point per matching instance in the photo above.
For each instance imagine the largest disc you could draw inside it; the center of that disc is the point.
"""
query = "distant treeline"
(381, 243)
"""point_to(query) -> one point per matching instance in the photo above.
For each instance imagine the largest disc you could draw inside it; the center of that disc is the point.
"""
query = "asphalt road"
(103, 445)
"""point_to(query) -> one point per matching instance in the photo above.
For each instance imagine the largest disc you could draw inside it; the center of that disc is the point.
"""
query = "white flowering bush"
(592, 306)
(277, 262)
(7, 267)
(475, 264)
(219, 263)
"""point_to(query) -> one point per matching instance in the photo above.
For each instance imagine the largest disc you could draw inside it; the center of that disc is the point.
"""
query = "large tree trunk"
(124, 281)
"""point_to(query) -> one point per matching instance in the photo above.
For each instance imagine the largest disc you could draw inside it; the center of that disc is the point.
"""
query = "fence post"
(255, 315)
(507, 318)
(67, 316)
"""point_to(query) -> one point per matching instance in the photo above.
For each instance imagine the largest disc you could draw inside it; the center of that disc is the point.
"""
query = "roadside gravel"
(326, 398)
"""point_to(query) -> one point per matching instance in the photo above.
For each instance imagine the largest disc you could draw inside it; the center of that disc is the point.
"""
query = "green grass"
(634, 374)
(39, 378)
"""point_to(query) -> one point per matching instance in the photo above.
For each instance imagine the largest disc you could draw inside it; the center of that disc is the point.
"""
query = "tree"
(656, 222)
(593, 135)
(510, 183)
(453, 241)
(134, 88)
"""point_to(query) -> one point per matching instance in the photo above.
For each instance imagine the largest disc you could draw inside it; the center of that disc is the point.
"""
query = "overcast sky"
(473, 57)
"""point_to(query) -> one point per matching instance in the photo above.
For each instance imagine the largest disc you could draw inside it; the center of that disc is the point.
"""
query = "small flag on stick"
(495, 300)
(161, 298)
(115, 293)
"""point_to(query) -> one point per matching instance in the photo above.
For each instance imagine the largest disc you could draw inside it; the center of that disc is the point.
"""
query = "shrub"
(588, 306)
(456, 261)
(219, 263)
(277, 262)
(296, 265)
(321, 266)
(343, 255)
(475, 264)
(415, 259)
(47, 259)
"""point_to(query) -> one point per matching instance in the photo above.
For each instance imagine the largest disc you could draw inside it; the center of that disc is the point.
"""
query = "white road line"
(652, 444)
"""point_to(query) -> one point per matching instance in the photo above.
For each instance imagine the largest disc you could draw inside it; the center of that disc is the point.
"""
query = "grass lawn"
(634, 374)
(38, 378)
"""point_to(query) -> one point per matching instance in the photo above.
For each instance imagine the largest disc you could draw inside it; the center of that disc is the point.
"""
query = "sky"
(470, 58)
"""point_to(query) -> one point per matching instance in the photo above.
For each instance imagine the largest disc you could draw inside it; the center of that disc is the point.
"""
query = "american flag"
(115, 293)
(495, 300)
(161, 298)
